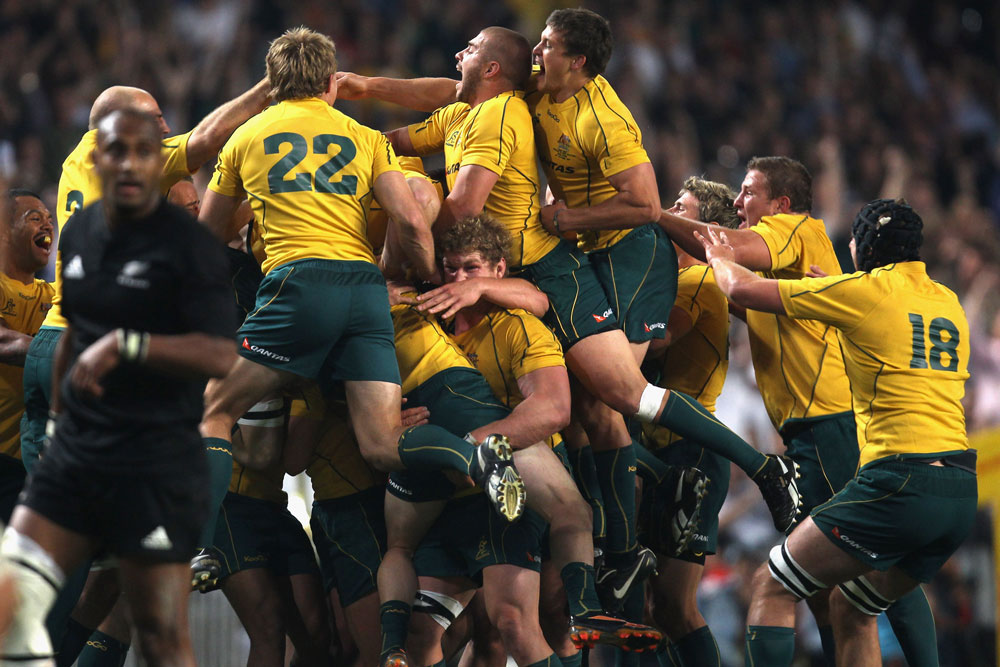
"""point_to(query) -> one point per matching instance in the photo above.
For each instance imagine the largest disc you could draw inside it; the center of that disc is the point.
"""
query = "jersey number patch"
(302, 181)
(939, 345)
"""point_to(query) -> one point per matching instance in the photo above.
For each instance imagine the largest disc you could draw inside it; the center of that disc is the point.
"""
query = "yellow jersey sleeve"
(175, 166)
(22, 308)
(309, 173)
(906, 351)
(430, 135)
(696, 363)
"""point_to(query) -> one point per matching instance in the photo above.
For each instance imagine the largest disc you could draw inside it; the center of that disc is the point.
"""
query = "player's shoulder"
(517, 322)
(80, 155)
(508, 105)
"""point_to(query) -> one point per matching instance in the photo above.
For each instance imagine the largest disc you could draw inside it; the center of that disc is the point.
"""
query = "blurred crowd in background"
(881, 98)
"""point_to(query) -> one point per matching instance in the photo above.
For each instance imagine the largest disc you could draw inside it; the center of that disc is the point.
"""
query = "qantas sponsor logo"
(844, 538)
(601, 318)
(247, 345)
(653, 326)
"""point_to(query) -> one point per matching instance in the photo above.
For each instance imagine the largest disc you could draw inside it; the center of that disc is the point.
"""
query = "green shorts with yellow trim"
(902, 513)
(578, 306)
(470, 536)
(460, 400)
(717, 469)
(253, 533)
(325, 320)
(349, 534)
(826, 449)
(639, 277)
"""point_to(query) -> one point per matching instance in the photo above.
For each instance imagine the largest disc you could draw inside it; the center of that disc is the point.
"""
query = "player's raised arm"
(211, 133)
(421, 94)
(407, 227)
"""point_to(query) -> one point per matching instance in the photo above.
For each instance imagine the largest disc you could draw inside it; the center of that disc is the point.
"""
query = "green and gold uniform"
(22, 308)
(348, 520)
(906, 350)
(583, 142)
(378, 219)
(255, 528)
(696, 364)
(799, 366)
(494, 135)
(309, 172)
(437, 375)
(506, 345)
(79, 186)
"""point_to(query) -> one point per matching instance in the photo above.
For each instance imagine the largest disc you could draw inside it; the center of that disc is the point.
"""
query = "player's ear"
(578, 62)
(784, 204)
(331, 84)
(493, 69)
(501, 268)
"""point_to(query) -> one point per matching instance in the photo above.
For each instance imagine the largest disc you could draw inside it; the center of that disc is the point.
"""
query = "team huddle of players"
(473, 380)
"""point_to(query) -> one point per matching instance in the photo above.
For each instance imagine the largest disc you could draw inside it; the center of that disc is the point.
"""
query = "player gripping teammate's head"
(300, 64)
(715, 201)
(584, 33)
(480, 238)
(886, 231)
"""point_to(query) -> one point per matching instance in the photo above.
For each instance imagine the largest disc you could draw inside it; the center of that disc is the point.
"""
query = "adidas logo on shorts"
(158, 540)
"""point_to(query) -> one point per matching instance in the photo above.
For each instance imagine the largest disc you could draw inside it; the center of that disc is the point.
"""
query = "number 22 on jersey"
(278, 180)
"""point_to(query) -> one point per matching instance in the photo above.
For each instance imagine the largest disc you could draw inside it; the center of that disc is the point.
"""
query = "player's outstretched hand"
(450, 298)
(351, 86)
(94, 363)
(716, 246)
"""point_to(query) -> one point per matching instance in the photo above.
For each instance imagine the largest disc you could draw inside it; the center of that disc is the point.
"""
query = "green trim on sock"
(219, 454)
(698, 648)
(769, 646)
(582, 463)
(75, 636)
(578, 579)
(689, 419)
(551, 661)
(428, 447)
(574, 660)
(394, 616)
(616, 470)
(103, 650)
(913, 624)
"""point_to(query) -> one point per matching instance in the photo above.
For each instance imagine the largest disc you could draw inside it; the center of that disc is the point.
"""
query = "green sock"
(913, 624)
(220, 472)
(551, 661)
(103, 651)
(650, 467)
(395, 618)
(578, 580)
(829, 648)
(769, 645)
(616, 474)
(582, 462)
(689, 419)
(75, 635)
(574, 660)
(430, 447)
(698, 649)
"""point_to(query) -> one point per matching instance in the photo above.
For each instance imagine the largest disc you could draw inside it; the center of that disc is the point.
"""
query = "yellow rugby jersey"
(906, 350)
(583, 141)
(798, 363)
(495, 135)
(423, 349)
(22, 308)
(337, 469)
(79, 186)
(696, 363)
(508, 344)
(308, 171)
(259, 484)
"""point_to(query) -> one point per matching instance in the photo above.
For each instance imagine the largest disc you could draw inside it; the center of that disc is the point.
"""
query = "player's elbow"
(560, 413)
(650, 210)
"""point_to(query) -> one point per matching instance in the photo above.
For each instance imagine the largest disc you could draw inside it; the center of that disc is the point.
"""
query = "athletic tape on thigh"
(270, 413)
(37, 579)
(790, 574)
(860, 593)
(442, 608)
(649, 402)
